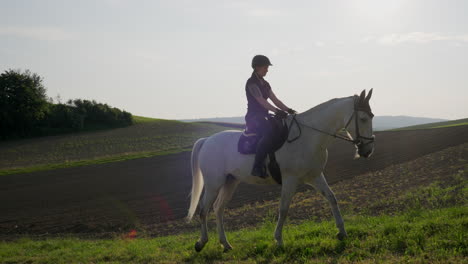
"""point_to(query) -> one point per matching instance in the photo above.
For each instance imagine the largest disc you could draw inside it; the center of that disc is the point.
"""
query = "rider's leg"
(263, 146)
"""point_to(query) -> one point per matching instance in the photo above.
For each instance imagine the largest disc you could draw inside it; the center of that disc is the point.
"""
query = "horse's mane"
(324, 105)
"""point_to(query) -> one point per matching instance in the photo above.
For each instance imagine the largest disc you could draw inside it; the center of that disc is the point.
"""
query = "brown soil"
(151, 194)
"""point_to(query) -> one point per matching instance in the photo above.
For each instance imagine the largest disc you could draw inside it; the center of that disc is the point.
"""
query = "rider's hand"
(291, 111)
(280, 113)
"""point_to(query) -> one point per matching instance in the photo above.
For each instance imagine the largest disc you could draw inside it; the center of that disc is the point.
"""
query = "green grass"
(147, 137)
(142, 119)
(452, 125)
(438, 235)
(89, 162)
(432, 227)
(458, 122)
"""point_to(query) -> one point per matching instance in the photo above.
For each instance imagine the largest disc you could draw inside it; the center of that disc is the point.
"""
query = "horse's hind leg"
(208, 199)
(321, 185)
(224, 197)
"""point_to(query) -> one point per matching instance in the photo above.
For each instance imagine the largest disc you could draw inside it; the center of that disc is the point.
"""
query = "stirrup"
(259, 172)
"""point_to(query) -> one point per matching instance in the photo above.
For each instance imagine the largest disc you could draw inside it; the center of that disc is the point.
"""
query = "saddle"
(247, 144)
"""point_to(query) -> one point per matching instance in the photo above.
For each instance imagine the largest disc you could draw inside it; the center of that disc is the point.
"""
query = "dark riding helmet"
(260, 60)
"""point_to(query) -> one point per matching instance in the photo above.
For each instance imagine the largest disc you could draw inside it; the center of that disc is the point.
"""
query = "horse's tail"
(197, 179)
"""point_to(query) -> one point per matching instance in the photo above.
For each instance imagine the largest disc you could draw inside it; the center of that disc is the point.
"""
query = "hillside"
(148, 137)
(145, 138)
(234, 119)
(389, 122)
(458, 122)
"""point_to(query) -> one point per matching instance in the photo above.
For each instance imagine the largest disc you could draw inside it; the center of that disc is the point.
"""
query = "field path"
(116, 197)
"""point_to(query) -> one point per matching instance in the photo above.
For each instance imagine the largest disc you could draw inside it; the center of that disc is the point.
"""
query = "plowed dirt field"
(151, 194)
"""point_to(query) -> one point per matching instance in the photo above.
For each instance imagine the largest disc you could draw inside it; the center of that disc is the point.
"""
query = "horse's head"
(361, 126)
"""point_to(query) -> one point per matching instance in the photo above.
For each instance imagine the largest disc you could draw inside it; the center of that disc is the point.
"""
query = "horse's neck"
(329, 117)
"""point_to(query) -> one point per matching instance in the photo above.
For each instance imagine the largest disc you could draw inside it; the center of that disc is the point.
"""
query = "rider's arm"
(277, 102)
(255, 92)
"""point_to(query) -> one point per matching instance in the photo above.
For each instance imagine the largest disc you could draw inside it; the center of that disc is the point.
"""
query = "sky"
(185, 59)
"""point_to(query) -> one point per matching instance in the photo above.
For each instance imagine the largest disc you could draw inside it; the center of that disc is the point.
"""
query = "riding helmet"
(260, 60)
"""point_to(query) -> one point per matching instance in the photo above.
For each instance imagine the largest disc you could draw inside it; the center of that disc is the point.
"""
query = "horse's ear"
(362, 96)
(369, 95)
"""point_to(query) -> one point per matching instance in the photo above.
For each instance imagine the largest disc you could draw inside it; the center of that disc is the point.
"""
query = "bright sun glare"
(377, 10)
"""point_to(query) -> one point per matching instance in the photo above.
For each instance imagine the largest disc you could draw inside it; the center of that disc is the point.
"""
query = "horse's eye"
(364, 120)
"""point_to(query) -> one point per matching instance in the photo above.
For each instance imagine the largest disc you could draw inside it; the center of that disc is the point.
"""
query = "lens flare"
(164, 208)
(131, 235)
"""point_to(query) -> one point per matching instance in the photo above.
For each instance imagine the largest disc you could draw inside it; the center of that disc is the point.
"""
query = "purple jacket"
(254, 109)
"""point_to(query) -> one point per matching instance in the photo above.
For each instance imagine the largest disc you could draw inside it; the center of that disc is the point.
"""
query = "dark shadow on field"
(112, 198)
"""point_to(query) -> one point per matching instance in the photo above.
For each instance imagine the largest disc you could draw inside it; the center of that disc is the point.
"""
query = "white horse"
(219, 167)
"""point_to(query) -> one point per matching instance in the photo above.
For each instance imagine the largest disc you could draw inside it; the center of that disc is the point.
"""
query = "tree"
(25, 110)
(23, 103)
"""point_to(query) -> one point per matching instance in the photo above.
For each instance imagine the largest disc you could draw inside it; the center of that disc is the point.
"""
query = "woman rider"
(258, 90)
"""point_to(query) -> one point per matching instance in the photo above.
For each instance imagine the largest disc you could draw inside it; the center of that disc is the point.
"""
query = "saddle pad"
(247, 143)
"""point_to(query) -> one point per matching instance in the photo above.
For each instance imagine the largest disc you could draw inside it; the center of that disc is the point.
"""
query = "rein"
(318, 130)
(356, 141)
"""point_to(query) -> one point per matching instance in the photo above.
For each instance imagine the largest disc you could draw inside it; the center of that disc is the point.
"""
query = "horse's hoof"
(199, 246)
(341, 236)
(227, 248)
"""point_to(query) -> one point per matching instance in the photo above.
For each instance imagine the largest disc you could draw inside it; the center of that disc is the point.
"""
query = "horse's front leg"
(321, 185)
(287, 192)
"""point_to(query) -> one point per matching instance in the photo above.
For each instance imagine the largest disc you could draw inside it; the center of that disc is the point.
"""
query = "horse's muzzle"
(365, 148)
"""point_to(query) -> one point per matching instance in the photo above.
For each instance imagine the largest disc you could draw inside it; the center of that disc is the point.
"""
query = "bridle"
(358, 141)
(359, 138)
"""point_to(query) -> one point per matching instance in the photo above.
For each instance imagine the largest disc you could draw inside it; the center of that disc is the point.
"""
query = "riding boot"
(259, 168)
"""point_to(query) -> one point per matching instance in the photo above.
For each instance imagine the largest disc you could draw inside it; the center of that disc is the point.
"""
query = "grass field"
(148, 137)
(458, 122)
(427, 225)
